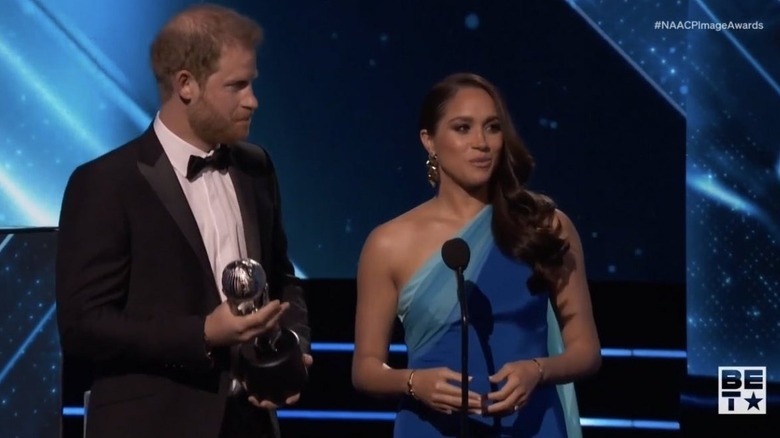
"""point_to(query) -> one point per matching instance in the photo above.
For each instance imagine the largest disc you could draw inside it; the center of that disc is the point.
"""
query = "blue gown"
(507, 323)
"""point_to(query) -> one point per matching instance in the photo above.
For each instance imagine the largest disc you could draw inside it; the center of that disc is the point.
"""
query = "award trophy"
(271, 365)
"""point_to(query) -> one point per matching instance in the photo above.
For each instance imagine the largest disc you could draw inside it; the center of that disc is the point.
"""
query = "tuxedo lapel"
(158, 171)
(242, 183)
(249, 172)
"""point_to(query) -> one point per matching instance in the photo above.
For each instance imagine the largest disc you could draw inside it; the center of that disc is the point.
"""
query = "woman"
(525, 284)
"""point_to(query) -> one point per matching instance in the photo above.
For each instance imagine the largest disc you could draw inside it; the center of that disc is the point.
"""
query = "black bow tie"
(219, 160)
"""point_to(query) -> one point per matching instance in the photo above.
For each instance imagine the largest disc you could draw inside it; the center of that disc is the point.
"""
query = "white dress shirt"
(212, 199)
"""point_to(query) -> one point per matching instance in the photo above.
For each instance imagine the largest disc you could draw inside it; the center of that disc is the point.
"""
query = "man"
(145, 232)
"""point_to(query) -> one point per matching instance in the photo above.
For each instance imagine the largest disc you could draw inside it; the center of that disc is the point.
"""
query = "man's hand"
(223, 328)
(267, 404)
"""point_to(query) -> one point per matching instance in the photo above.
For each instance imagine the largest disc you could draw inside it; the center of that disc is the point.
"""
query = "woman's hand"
(519, 381)
(434, 387)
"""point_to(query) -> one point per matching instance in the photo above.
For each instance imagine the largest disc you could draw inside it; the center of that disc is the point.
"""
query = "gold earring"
(433, 169)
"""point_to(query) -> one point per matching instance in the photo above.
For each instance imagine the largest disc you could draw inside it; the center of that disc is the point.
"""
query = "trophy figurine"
(271, 365)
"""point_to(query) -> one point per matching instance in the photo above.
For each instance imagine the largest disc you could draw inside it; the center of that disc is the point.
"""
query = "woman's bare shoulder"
(399, 232)
(562, 221)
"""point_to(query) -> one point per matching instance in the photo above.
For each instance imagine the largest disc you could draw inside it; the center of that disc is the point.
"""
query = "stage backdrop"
(340, 87)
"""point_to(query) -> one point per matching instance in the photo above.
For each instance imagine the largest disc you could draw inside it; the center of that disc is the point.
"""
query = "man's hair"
(194, 39)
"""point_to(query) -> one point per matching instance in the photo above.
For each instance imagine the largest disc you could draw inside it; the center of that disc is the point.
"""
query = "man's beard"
(211, 127)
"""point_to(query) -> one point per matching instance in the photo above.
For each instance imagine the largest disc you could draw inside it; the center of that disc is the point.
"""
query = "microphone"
(456, 254)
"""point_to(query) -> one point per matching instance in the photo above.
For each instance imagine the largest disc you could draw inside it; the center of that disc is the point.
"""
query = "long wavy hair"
(522, 222)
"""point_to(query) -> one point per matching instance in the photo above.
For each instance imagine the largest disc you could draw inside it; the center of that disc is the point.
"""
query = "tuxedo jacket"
(134, 285)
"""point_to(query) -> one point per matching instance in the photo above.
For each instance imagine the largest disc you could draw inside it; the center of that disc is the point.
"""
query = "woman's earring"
(433, 170)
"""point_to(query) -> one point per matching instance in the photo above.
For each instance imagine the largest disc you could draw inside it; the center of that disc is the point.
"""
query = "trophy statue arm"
(296, 318)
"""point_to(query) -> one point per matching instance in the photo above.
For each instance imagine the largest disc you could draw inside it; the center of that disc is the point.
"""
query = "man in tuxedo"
(145, 232)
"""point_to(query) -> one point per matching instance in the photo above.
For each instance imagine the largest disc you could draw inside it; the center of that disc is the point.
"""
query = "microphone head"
(455, 253)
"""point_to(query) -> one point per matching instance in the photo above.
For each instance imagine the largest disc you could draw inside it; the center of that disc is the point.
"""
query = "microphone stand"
(455, 253)
(464, 355)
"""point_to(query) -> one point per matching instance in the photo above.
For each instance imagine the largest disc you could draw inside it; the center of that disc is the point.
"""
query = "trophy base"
(274, 375)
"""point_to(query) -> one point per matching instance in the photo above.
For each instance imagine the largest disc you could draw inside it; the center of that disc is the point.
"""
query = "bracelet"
(541, 370)
(409, 385)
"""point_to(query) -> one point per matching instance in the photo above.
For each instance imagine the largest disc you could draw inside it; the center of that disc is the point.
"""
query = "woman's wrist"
(540, 368)
(410, 385)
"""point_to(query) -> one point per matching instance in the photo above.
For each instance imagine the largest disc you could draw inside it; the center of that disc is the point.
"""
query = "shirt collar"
(177, 149)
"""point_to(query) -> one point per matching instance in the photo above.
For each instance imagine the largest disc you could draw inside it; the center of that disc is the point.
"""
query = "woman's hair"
(523, 223)
(194, 39)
